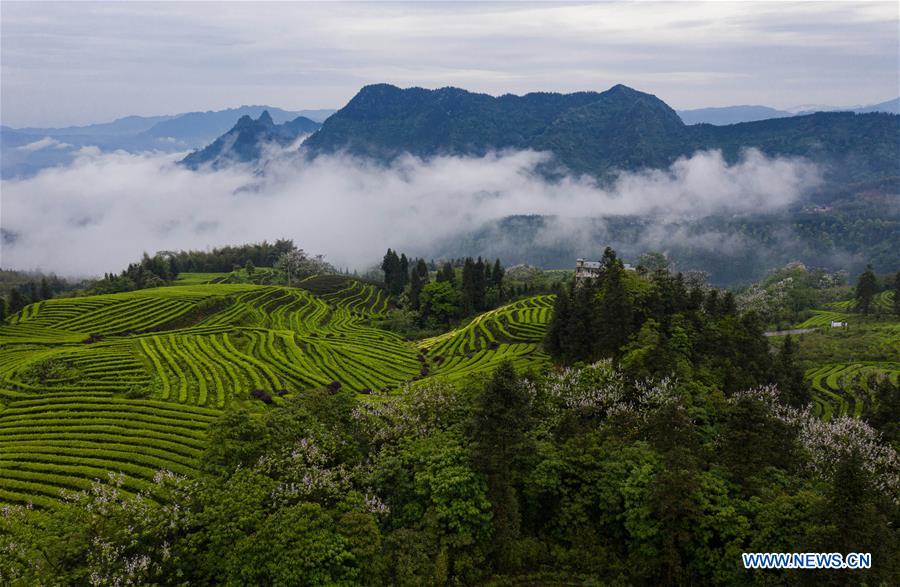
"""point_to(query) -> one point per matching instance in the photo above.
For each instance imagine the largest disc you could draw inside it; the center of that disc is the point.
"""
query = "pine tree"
(712, 305)
(394, 279)
(16, 300)
(447, 273)
(403, 272)
(897, 294)
(866, 288)
(422, 270)
(554, 341)
(497, 275)
(468, 286)
(791, 382)
(479, 285)
(415, 288)
(500, 422)
(729, 307)
(615, 318)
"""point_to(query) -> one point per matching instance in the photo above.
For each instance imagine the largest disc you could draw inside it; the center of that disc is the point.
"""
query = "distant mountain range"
(595, 133)
(730, 115)
(738, 114)
(27, 150)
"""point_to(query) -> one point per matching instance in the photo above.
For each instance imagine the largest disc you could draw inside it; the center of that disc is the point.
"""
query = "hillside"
(593, 132)
(129, 382)
(248, 139)
(843, 363)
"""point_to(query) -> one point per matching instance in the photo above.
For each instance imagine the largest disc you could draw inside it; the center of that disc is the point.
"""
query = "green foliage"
(866, 288)
(439, 303)
(577, 475)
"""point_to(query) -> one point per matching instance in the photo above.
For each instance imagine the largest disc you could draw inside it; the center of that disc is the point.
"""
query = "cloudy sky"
(77, 62)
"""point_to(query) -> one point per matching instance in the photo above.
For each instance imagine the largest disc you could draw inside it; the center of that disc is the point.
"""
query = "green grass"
(129, 382)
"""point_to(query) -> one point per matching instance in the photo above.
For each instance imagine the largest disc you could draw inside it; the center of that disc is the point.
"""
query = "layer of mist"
(103, 210)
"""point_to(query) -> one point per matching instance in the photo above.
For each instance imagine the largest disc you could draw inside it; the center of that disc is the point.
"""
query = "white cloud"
(103, 210)
(67, 62)
(44, 143)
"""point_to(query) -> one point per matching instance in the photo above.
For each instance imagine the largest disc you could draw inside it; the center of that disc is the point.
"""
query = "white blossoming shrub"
(826, 443)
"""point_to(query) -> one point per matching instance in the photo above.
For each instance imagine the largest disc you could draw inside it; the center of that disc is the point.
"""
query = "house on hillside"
(590, 269)
(586, 269)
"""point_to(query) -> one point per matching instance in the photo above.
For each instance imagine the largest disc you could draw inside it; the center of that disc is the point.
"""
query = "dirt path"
(786, 332)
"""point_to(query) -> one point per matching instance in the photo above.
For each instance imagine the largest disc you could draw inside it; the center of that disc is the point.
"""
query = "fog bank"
(103, 210)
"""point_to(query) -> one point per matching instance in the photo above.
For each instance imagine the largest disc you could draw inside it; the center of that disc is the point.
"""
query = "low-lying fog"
(104, 209)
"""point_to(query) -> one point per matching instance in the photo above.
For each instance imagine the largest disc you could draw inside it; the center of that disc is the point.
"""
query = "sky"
(78, 62)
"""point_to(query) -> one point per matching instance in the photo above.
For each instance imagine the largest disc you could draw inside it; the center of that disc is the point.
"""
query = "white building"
(586, 269)
(589, 269)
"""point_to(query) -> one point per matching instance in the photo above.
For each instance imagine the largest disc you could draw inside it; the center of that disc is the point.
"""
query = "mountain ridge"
(247, 139)
(593, 132)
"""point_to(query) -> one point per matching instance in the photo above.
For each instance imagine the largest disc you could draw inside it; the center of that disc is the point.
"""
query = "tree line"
(659, 326)
(225, 259)
(457, 290)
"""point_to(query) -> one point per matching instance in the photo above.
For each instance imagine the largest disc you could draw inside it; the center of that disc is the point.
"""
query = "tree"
(615, 318)
(789, 377)
(866, 288)
(46, 294)
(438, 303)
(297, 264)
(897, 294)
(497, 277)
(2, 310)
(394, 274)
(415, 289)
(447, 273)
(249, 267)
(654, 261)
(499, 425)
(554, 341)
(403, 272)
(16, 300)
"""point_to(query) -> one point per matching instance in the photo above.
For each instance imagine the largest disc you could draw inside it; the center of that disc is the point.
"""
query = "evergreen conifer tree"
(866, 288)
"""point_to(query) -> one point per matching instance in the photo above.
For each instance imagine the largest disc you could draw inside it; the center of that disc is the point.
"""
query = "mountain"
(892, 106)
(248, 138)
(121, 126)
(317, 115)
(730, 114)
(135, 134)
(737, 114)
(889, 106)
(196, 128)
(595, 133)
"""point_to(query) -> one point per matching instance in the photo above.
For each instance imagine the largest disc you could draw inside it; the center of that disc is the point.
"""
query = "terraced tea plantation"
(847, 360)
(510, 332)
(128, 383)
(843, 388)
